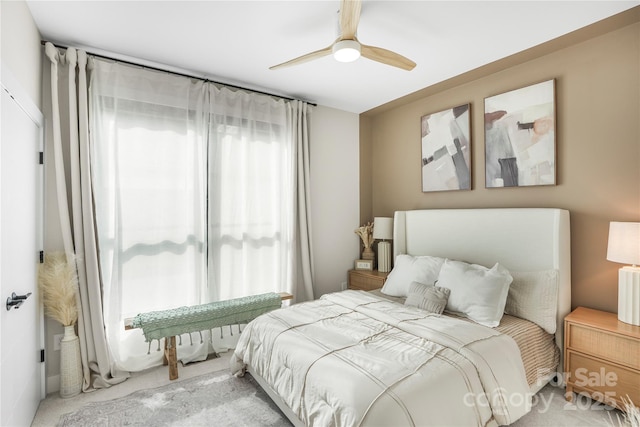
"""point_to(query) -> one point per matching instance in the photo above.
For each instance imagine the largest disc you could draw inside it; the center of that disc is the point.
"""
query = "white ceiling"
(235, 42)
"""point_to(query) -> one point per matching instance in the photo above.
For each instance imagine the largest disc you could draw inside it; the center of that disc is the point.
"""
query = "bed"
(370, 358)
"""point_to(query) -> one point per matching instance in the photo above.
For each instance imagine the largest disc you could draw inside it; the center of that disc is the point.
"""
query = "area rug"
(217, 399)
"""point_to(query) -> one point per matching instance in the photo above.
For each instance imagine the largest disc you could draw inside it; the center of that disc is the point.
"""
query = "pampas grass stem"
(630, 418)
(59, 285)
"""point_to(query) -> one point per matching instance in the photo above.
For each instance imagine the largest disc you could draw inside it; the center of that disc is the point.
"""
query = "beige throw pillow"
(427, 297)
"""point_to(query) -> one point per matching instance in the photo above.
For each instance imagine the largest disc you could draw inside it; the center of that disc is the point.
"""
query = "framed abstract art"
(446, 150)
(520, 137)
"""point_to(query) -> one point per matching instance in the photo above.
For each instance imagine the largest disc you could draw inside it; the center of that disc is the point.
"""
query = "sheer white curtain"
(252, 160)
(196, 193)
(149, 163)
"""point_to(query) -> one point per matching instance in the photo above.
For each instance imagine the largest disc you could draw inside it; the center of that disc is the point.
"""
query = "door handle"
(15, 301)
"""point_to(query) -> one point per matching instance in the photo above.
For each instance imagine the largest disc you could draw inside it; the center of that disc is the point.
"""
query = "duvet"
(352, 359)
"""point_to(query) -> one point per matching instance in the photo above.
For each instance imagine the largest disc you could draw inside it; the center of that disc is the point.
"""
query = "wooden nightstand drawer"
(366, 280)
(616, 348)
(601, 357)
(604, 381)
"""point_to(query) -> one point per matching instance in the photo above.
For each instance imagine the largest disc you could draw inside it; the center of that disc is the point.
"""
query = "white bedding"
(353, 359)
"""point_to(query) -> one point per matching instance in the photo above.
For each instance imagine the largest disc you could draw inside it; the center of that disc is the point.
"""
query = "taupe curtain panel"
(70, 133)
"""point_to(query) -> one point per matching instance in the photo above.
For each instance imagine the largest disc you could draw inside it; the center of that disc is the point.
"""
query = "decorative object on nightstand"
(365, 280)
(624, 248)
(601, 357)
(366, 235)
(383, 230)
(363, 264)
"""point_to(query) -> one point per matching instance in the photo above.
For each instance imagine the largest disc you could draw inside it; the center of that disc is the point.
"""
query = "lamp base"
(384, 257)
(629, 295)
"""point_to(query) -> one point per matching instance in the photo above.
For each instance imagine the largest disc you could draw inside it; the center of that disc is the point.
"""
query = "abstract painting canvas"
(519, 134)
(446, 154)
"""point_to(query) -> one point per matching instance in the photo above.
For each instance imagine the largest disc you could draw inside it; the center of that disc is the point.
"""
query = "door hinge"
(41, 158)
(41, 257)
(41, 355)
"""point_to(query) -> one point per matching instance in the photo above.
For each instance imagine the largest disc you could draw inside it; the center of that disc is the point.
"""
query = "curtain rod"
(151, 67)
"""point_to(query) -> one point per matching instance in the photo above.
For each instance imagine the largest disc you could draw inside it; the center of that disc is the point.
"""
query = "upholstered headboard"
(520, 239)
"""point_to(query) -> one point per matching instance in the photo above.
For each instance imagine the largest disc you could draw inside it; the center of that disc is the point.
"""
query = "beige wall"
(366, 168)
(334, 196)
(598, 145)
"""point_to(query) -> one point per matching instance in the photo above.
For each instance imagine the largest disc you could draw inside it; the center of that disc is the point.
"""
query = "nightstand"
(366, 280)
(601, 357)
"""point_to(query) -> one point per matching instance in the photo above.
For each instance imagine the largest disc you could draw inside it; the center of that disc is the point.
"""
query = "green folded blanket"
(182, 320)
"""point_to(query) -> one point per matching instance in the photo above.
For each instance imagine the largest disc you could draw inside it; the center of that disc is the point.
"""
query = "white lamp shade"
(624, 242)
(383, 228)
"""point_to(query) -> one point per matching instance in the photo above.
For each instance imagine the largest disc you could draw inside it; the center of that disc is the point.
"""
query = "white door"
(20, 219)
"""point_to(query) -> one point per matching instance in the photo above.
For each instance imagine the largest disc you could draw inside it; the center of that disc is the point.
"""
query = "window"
(194, 197)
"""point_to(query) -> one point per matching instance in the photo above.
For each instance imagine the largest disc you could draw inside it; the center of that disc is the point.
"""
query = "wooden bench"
(170, 353)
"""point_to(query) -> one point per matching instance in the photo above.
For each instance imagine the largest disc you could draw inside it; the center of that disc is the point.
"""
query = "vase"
(70, 366)
(368, 253)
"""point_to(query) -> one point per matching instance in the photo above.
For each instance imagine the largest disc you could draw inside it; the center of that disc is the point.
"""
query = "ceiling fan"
(347, 48)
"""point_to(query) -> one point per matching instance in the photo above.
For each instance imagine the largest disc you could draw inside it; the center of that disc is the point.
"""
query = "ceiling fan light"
(346, 50)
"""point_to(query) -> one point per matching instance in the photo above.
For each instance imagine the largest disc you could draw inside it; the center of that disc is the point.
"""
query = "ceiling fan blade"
(304, 58)
(386, 57)
(349, 18)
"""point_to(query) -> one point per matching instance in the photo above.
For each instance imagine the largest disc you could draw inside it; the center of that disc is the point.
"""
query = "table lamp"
(383, 230)
(624, 248)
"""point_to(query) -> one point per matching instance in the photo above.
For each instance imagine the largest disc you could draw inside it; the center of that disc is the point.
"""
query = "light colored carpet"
(222, 400)
(54, 406)
(551, 409)
(217, 398)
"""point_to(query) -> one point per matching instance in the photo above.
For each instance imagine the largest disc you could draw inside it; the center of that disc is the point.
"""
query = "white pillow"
(534, 296)
(408, 269)
(477, 292)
